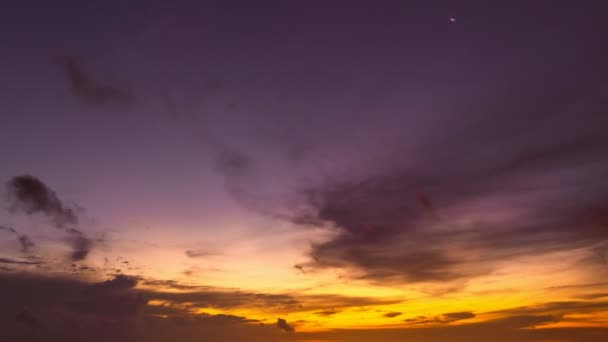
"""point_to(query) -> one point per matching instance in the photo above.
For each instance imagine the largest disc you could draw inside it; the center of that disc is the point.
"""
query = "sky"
(316, 171)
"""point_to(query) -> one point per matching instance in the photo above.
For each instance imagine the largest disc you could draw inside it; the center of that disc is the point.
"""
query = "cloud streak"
(89, 91)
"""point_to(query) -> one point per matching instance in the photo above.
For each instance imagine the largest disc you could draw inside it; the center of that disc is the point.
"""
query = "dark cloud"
(25, 241)
(29, 320)
(171, 284)
(81, 245)
(593, 295)
(440, 319)
(425, 204)
(524, 321)
(197, 254)
(392, 314)
(89, 91)
(233, 164)
(556, 308)
(511, 329)
(237, 169)
(8, 229)
(64, 309)
(107, 308)
(492, 183)
(578, 286)
(120, 281)
(203, 297)
(386, 229)
(456, 316)
(326, 313)
(19, 262)
(282, 324)
(105, 300)
(32, 196)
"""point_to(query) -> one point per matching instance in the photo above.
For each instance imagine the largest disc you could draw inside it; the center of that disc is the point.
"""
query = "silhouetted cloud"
(556, 308)
(456, 316)
(32, 196)
(326, 313)
(508, 329)
(197, 253)
(201, 296)
(89, 91)
(282, 324)
(29, 320)
(113, 303)
(8, 229)
(81, 245)
(392, 314)
(384, 232)
(120, 281)
(20, 262)
(25, 241)
(524, 321)
(440, 319)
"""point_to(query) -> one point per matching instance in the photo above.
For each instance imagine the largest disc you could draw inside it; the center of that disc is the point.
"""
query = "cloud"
(392, 314)
(117, 309)
(8, 229)
(120, 281)
(64, 309)
(326, 313)
(556, 308)
(81, 245)
(219, 298)
(456, 316)
(32, 196)
(440, 319)
(282, 324)
(107, 300)
(25, 241)
(482, 212)
(29, 320)
(197, 254)
(524, 321)
(504, 330)
(19, 262)
(89, 91)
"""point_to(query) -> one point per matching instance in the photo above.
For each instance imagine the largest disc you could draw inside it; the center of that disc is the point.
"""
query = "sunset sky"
(305, 171)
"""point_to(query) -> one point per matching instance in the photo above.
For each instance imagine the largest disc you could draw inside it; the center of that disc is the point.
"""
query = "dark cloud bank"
(524, 180)
(44, 308)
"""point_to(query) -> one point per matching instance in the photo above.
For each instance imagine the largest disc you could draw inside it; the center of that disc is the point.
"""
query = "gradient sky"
(304, 171)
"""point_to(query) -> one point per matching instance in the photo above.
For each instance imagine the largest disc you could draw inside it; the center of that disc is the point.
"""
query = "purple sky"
(282, 146)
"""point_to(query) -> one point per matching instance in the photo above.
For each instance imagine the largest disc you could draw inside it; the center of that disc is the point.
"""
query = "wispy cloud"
(25, 242)
(90, 91)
